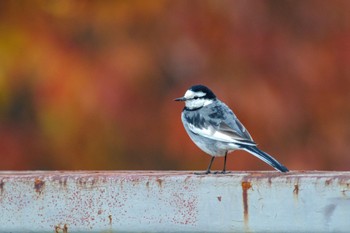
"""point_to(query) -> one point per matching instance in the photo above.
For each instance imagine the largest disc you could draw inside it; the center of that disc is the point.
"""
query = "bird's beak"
(180, 99)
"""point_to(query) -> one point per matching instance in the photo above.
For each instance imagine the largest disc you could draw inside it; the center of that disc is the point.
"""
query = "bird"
(216, 130)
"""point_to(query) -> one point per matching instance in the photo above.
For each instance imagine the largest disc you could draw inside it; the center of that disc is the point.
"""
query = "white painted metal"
(147, 201)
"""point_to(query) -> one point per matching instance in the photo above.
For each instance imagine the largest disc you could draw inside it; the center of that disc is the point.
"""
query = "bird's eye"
(196, 97)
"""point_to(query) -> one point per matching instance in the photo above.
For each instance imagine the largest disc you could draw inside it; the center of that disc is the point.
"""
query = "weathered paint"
(245, 186)
(149, 201)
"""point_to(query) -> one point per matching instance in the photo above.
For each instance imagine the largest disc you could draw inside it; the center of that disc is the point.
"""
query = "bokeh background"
(90, 84)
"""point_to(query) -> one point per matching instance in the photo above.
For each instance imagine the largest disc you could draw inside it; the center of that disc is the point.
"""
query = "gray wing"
(216, 121)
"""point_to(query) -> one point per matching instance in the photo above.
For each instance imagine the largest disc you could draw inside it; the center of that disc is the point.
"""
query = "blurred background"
(90, 84)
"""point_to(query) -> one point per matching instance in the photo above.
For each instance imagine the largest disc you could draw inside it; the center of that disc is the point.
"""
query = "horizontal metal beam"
(174, 201)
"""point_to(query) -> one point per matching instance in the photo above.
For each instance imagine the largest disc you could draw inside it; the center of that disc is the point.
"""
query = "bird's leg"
(211, 162)
(208, 170)
(224, 170)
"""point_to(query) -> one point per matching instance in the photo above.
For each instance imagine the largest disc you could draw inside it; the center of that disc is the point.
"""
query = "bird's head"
(197, 96)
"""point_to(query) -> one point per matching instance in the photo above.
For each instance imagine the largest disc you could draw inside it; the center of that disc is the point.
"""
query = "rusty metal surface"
(149, 201)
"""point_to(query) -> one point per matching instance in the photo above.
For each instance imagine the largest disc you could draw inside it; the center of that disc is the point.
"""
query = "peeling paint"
(65, 228)
(159, 181)
(328, 182)
(173, 201)
(186, 213)
(59, 229)
(296, 189)
(39, 185)
(296, 192)
(2, 184)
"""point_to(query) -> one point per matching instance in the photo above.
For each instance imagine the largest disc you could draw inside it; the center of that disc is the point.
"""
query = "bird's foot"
(225, 172)
(222, 172)
(209, 172)
(203, 173)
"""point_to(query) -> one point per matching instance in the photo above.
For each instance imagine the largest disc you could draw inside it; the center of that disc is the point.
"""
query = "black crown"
(204, 89)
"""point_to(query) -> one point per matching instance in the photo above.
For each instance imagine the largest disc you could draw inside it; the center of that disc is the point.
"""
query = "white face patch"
(196, 99)
(190, 94)
(197, 103)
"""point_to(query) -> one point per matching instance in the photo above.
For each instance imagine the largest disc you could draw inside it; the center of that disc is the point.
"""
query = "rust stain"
(219, 198)
(343, 192)
(186, 209)
(296, 192)
(65, 228)
(88, 182)
(39, 185)
(269, 181)
(94, 181)
(2, 184)
(63, 182)
(159, 181)
(110, 219)
(82, 182)
(59, 229)
(188, 178)
(296, 189)
(270, 176)
(245, 187)
(328, 182)
(99, 212)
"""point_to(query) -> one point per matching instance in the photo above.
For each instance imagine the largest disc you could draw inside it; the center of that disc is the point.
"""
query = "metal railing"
(174, 201)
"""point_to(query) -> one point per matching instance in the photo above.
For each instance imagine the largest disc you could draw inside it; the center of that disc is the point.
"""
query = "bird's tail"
(265, 157)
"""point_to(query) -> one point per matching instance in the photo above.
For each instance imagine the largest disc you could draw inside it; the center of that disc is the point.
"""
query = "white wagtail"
(215, 129)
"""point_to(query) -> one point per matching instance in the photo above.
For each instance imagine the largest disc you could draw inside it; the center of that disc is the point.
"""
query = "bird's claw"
(221, 172)
(224, 172)
(203, 173)
(209, 172)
